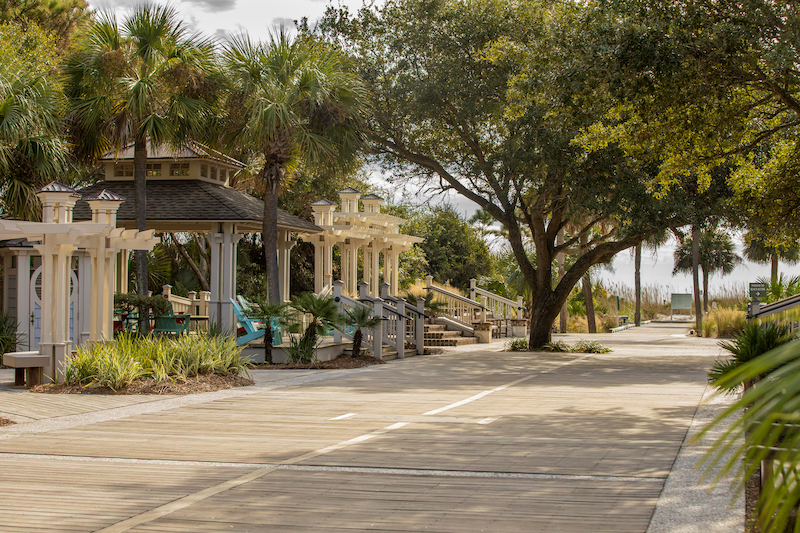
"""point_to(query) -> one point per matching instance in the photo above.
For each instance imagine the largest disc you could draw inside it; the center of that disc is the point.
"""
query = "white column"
(319, 266)
(215, 271)
(24, 299)
(395, 271)
(327, 277)
(285, 245)
(353, 277)
(344, 264)
(122, 272)
(375, 282)
(367, 262)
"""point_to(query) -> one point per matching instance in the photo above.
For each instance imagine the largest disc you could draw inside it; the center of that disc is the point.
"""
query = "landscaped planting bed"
(154, 365)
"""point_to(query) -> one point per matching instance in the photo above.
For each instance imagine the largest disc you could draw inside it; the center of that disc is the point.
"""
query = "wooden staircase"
(438, 335)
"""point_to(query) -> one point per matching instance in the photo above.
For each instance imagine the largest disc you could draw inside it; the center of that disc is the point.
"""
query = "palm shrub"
(763, 427)
(267, 312)
(324, 316)
(752, 341)
(360, 317)
(9, 335)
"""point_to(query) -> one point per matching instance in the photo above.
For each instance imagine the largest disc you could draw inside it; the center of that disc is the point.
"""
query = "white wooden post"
(419, 326)
(377, 332)
(337, 297)
(375, 271)
(472, 284)
(428, 281)
(384, 290)
(363, 287)
(484, 303)
(520, 308)
(400, 339)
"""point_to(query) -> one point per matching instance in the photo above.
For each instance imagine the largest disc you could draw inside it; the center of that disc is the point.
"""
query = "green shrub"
(117, 364)
(557, 346)
(517, 345)
(9, 335)
(583, 346)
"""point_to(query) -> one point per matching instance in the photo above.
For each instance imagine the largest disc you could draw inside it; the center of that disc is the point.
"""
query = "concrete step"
(453, 341)
(435, 327)
(441, 334)
(390, 354)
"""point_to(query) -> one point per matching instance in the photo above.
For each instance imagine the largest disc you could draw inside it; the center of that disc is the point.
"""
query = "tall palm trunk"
(269, 231)
(698, 310)
(637, 284)
(706, 275)
(586, 285)
(140, 204)
(774, 268)
(562, 323)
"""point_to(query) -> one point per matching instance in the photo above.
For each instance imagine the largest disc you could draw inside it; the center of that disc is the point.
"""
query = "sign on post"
(680, 302)
(758, 290)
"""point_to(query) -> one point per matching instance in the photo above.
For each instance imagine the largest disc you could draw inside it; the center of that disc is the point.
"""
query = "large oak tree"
(486, 98)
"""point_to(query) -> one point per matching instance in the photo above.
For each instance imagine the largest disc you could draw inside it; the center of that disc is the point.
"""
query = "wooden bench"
(28, 367)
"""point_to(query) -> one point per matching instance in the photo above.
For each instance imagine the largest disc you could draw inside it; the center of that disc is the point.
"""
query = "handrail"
(776, 307)
(496, 297)
(500, 306)
(393, 300)
(456, 297)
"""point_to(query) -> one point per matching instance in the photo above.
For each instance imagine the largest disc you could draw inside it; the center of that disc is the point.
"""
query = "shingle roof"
(54, 186)
(190, 150)
(105, 195)
(189, 200)
(324, 201)
(371, 197)
(349, 190)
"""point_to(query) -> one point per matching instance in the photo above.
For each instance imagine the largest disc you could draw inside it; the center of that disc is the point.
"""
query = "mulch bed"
(6, 422)
(343, 361)
(203, 383)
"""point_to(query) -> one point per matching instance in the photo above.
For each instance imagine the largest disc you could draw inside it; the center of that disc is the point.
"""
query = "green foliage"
(554, 346)
(131, 302)
(517, 345)
(781, 287)
(752, 341)
(60, 18)
(454, 251)
(9, 335)
(324, 316)
(360, 318)
(584, 346)
(267, 312)
(117, 364)
(762, 426)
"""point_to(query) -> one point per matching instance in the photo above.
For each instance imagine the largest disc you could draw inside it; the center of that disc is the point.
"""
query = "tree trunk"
(140, 205)
(705, 291)
(586, 285)
(268, 342)
(200, 276)
(562, 322)
(542, 318)
(698, 310)
(269, 234)
(637, 284)
(357, 336)
(774, 268)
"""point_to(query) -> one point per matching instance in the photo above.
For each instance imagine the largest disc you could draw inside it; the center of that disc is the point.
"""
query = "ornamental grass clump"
(119, 363)
(584, 346)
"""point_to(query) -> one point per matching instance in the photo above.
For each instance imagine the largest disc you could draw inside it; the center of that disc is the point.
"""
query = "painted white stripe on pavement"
(342, 417)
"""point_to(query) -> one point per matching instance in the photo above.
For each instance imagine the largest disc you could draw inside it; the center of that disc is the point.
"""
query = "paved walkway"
(473, 440)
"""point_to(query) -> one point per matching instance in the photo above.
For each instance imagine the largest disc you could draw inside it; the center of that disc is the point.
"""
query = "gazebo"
(188, 190)
(352, 229)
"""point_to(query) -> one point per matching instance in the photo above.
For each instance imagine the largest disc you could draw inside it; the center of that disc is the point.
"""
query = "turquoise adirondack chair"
(254, 329)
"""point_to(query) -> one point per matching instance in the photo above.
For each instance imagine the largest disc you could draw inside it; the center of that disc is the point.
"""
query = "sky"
(220, 18)
(224, 17)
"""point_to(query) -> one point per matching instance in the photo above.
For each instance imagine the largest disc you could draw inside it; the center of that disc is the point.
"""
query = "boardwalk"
(474, 440)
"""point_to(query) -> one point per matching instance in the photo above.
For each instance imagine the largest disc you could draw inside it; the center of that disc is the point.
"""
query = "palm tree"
(651, 244)
(294, 103)
(360, 317)
(32, 151)
(715, 254)
(757, 249)
(268, 313)
(324, 316)
(142, 82)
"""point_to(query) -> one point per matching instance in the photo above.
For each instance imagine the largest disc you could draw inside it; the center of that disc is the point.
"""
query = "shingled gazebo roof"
(190, 205)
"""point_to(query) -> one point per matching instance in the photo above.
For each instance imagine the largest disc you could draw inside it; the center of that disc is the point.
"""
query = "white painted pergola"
(56, 238)
(351, 229)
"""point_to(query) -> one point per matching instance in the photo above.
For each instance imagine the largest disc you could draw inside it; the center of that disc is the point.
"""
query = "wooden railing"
(456, 307)
(196, 304)
(400, 323)
(784, 311)
(498, 306)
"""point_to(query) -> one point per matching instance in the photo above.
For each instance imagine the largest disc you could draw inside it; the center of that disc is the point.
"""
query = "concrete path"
(472, 440)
